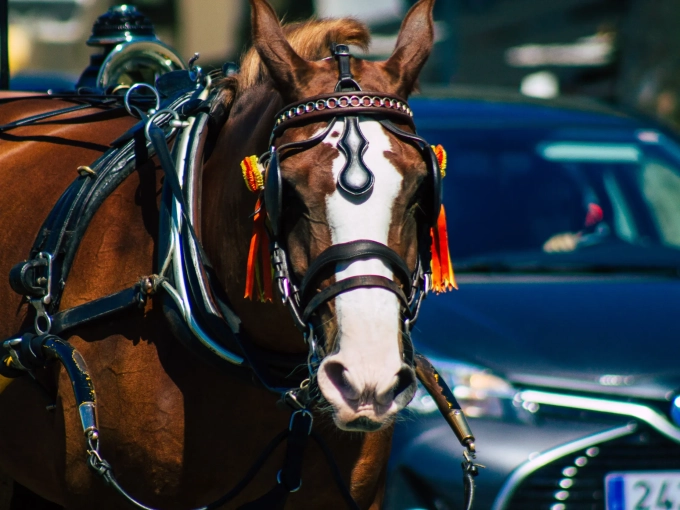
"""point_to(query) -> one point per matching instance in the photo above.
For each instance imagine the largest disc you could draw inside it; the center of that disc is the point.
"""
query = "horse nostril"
(337, 375)
(405, 387)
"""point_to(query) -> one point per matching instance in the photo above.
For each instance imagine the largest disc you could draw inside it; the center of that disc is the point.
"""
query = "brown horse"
(180, 432)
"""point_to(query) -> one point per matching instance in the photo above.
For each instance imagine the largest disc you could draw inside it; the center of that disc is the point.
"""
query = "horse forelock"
(310, 39)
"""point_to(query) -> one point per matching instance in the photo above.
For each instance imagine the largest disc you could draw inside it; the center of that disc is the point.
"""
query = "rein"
(207, 324)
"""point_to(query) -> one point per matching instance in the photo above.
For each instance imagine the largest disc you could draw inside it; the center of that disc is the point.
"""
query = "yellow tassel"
(253, 173)
(441, 158)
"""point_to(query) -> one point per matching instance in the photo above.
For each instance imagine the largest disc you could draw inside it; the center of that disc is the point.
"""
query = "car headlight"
(480, 393)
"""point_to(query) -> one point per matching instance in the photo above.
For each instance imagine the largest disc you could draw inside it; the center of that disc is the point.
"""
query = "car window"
(660, 182)
(529, 191)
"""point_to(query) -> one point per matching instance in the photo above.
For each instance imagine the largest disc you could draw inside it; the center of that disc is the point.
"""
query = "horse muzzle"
(365, 398)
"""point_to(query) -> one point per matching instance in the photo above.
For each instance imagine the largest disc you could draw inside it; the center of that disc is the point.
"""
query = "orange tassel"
(443, 279)
(259, 271)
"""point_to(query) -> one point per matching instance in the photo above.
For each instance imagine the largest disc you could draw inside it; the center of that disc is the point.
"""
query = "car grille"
(576, 481)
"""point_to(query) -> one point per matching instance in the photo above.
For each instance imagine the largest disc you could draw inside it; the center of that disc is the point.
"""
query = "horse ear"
(414, 44)
(288, 69)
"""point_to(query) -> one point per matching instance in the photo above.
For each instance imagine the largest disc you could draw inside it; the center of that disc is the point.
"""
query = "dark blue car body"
(580, 345)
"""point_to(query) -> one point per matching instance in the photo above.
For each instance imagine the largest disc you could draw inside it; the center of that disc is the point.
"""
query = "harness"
(195, 305)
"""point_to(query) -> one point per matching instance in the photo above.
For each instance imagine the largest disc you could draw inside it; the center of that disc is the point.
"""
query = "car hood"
(610, 334)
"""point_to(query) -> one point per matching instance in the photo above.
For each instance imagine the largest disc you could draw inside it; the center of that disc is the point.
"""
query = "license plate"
(643, 490)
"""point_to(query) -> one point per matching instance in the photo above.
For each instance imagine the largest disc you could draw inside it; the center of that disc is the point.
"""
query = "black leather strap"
(346, 80)
(347, 252)
(355, 282)
(65, 227)
(33, 119)
(104, 469)
(97, 309)
(289, 478)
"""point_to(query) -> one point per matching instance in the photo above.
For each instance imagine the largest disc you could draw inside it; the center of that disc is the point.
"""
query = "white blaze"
(368, 319)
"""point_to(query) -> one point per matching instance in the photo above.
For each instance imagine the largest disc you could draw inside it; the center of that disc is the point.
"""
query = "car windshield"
(547, 199)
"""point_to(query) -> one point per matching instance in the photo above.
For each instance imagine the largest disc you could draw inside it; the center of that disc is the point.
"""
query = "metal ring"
(300, 109)
(320, 105)
(278, 479)
(126, 101)
(48, 322)
(303, 412)
(119, 88)
(377, 101)
(341, 99)
(309, 107)
(352, 101)
(152, 118)
(332, 105)
(366, 101)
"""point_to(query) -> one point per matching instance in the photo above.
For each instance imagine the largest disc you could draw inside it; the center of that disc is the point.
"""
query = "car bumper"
(525, 461)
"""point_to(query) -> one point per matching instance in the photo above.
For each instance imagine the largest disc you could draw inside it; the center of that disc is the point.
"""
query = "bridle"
(355, 180)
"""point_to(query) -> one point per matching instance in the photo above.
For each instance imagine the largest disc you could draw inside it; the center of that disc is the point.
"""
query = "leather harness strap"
(355, 282)
(348, 252)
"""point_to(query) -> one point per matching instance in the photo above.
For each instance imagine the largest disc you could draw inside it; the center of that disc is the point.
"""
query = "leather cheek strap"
(355, 282)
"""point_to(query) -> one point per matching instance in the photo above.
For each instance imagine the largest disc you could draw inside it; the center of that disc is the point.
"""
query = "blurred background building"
(625, 52)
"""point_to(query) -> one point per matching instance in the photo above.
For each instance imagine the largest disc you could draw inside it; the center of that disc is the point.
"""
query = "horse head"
(361, 184)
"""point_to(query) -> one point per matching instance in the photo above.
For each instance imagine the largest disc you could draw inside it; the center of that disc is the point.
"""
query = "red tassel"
(259, 271)
(443, 279)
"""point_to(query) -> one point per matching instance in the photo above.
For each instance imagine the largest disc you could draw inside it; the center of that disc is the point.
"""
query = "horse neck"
(227, 209)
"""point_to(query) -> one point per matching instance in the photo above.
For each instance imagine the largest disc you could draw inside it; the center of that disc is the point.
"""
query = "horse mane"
(310, 39)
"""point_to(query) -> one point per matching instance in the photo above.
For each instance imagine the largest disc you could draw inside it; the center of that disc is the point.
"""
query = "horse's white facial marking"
(368, 319)
(350, 221)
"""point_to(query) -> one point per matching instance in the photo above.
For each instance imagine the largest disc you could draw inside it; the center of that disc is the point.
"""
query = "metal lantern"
(131, 51)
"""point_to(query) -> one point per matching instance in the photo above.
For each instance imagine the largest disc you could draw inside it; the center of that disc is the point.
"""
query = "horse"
(177, 429)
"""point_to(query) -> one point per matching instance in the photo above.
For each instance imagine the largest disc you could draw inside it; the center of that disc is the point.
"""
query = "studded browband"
(336, 104)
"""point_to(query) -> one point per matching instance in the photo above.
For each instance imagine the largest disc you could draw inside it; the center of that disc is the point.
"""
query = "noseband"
(355, 180)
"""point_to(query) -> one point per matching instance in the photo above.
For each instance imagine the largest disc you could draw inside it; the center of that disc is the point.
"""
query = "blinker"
(437, 187)
(273, 192)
